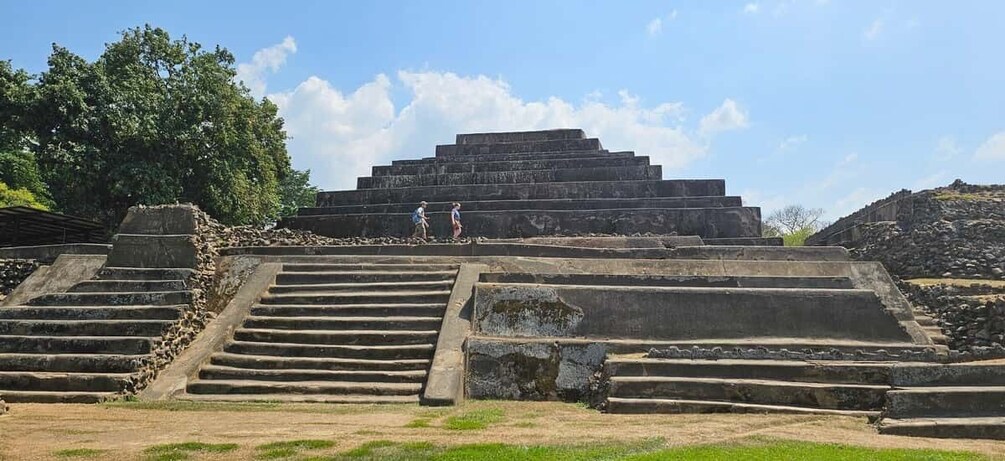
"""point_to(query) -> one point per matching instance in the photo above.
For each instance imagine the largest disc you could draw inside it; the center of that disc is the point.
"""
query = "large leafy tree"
(155, 120)
(295, 191)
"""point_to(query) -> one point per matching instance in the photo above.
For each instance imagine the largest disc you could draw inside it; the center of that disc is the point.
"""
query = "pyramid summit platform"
(529, 184)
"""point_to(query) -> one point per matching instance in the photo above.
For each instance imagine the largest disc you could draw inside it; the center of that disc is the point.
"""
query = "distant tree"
(154, 120)
(295, 191)
(19, 197)
(18, 170)
(793, 224)
(16, 94)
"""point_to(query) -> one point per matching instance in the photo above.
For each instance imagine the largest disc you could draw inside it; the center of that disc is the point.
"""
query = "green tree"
(20, 171)
(155, 120)
(295, 191)
(19, 197)
(794, 224)
(16, 94)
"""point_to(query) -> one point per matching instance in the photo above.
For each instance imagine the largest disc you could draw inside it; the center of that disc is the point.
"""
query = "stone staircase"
(334, 333)
(533, 183)
(962, 400)
(90, 343)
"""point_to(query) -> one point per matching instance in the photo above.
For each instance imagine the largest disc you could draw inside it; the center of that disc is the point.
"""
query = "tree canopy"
(153, 120)
(793, 224)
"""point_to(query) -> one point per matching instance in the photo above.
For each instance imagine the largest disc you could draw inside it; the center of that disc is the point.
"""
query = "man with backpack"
(420, 222)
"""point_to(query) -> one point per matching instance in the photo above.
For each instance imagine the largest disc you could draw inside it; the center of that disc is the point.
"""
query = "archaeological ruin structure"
(586, 277)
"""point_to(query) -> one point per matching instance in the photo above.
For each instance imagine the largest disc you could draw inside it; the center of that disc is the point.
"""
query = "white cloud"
(993, 148)
(728, 116)
(946, 148)
(655, 27)
(872, 32)
(851, 202)
(266, 59)
(672, 15)
(792, 142)
(751, 8)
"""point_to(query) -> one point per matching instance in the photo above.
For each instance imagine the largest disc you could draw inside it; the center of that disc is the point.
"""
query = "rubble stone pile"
(13, 272)
(972, 317)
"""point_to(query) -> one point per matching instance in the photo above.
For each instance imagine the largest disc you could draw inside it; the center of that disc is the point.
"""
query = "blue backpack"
(416, 219)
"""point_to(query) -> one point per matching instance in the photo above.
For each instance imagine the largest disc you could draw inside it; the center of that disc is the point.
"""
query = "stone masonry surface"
(13, 272)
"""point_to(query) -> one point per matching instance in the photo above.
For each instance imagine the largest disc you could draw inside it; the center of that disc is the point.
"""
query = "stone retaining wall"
(13, 272)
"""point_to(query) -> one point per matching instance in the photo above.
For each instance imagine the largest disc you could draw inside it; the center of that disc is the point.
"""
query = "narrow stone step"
(765, 392)
(925, 320)
(314, 363)
(672, 406)
(520, 136)
(299, 278)
(514, 157)
(75, 344)
(93, 313)
(72, 363)
(302, 387)
(369, 287)
(952, 374)
(329, 337)
(540, 204)
(342, 323)
(118, 286)
(158, 298)
(955, 428)
(508, 165)
(63, 382)
(936, 402)
(518, 147)
(392, 352)
(215, 372)
(19, 396)
(651, 280)
(624, 173)
(342, 267)
(142, 328)
(305, 398)
(438, 296)
(136, 273)
(349, 310)
(814, 372)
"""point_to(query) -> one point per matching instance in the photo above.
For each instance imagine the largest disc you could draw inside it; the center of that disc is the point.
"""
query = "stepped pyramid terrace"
(591, 279)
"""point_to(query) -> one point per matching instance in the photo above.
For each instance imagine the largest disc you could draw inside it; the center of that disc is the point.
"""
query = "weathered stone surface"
(440, 168)
(521, 136)
(541, 204)
(557, 145)
(160, 220)
(500, 369)
(621, 173)
(153, 251)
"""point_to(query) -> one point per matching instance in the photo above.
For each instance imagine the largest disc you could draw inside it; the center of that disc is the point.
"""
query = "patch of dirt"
(35, 431)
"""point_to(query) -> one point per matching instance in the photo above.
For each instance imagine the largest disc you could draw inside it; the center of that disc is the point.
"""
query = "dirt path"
(35, 432)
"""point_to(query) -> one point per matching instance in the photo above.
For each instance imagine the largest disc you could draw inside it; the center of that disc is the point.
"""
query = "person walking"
(420, 222)
(455, 219)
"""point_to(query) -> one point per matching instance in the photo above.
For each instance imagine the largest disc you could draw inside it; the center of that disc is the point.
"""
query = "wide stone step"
(158, 298)
(566, 190)
(215, 372)
(761, 253)
(19, 396)
(137, 273)
(345, 267)
(520, 136)
(782, 370)
(300, 350)
(542, 204)
(669, 280)
(685, 313)
(955, 428)
(623, 173)
(93, 313)
(143, 328)
(358, 298)
(306, 398)
(63, 382)
(674, 406)
(946, 401)
(330, 337)
(703, 222)
(350, 310)
(953, 374)
(299, 278)
(557, 145)
(75, 344)
(343, 323)
(315, 363)
(513, 165)
(100, 286)
(514, 157)
(766, 392)
(79, 363)
(303, 387)
(385, 286)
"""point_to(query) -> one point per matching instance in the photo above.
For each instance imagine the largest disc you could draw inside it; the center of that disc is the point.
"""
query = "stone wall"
(13, 272)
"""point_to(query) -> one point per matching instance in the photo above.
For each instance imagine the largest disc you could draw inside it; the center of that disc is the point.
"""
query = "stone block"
(159, 220)
(560, 145)
(629, 173)
(520, 136)
(544, 204)
(514, 165)
(153, 251)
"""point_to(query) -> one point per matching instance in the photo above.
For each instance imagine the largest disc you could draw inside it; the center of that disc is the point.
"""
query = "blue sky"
(829, 104)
